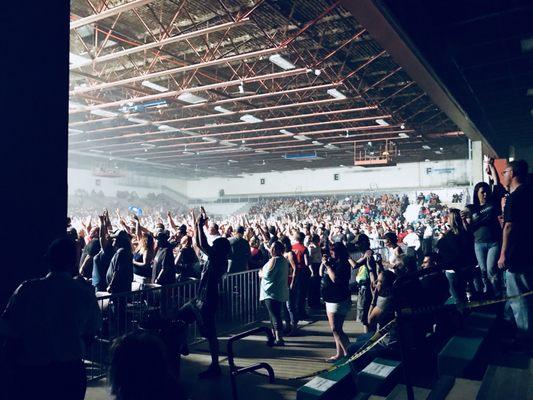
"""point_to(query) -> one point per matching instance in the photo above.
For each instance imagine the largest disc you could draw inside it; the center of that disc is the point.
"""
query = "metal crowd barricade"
(123, 312)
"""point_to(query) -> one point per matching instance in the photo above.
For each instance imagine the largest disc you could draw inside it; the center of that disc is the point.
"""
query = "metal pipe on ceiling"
(164, 42)
(195, 89)
(158, 132)
(108, 13)
(171, 71)
(218, 115)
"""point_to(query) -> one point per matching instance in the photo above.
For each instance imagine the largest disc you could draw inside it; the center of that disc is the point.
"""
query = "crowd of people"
(311, 254)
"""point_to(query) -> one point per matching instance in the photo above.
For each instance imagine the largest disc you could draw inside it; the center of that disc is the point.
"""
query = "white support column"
(477, 161)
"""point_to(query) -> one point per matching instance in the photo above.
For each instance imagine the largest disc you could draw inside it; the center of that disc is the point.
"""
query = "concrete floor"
(301, 355)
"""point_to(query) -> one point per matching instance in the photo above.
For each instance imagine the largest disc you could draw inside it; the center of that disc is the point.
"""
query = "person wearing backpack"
(304, 274)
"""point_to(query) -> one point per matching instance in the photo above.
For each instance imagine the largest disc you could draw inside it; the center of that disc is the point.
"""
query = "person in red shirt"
(303, 275)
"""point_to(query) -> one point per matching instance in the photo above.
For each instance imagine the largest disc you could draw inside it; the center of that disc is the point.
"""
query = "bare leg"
(344, 342)
(331, 319)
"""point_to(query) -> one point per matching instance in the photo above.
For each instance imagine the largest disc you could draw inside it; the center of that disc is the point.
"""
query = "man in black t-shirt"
(516, 256)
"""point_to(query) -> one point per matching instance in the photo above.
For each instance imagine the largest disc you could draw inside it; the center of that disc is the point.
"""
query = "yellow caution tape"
(373, 341)
(383, 332)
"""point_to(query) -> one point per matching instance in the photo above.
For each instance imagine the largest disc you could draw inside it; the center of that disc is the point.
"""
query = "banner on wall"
(435, 171)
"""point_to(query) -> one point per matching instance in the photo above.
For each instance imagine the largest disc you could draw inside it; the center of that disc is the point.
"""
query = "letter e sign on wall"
(335, 177)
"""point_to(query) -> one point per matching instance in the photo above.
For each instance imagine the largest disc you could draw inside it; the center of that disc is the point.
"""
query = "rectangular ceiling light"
(148, 145)
(335, 93)
(426, 147)
(317, 142)
(226, 143)
(209, 140)
(286, 132)
(438, 152)
(140, 159)
(103, 113)
(382, 122)
(221, 109)
(232, 161)
(261, 151)
(250, 118)
(96, 151)
(137, 120)
(331, 147)
(191, 98)
(403, 135)
(154, 86)
(77, 131)
(301, 137)
(166, 128)
(281, 62)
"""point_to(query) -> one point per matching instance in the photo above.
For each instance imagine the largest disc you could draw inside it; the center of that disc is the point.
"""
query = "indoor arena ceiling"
(209, 88)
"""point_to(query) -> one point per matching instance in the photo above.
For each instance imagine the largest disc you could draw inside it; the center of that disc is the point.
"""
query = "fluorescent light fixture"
(261, 151)
(140, 159)
(137, 120)
(209, 140)
(73, 130)
(232, 161)
(103, 113)
(250, 119)
(154, 86)
(438, 152)
(382, 122)
(226, 143)
(166, 128)
(426, 147)
(148, 145)
(221, 109)
(526, 45)
(301, 137)
(188, 153)
(96, 151)
(286, 132)
(78, 61)
(281, 62)
(331, 147)
(335, 93)
(191, 98)
(185, 164)
(317, 142)
(403, 135)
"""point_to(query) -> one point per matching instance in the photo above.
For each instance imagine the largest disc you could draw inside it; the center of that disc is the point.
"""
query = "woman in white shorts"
(335, 291)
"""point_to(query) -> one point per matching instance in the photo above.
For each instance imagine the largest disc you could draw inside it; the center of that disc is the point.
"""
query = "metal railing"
(123, 312)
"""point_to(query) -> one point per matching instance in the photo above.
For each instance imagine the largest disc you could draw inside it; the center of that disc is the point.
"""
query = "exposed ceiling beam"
(195, 89)
(173, 71)
(161, 43)
(108, 13)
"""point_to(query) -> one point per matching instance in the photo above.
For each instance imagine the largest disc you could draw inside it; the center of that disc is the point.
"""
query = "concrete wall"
(413, 176)
(86, 180)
